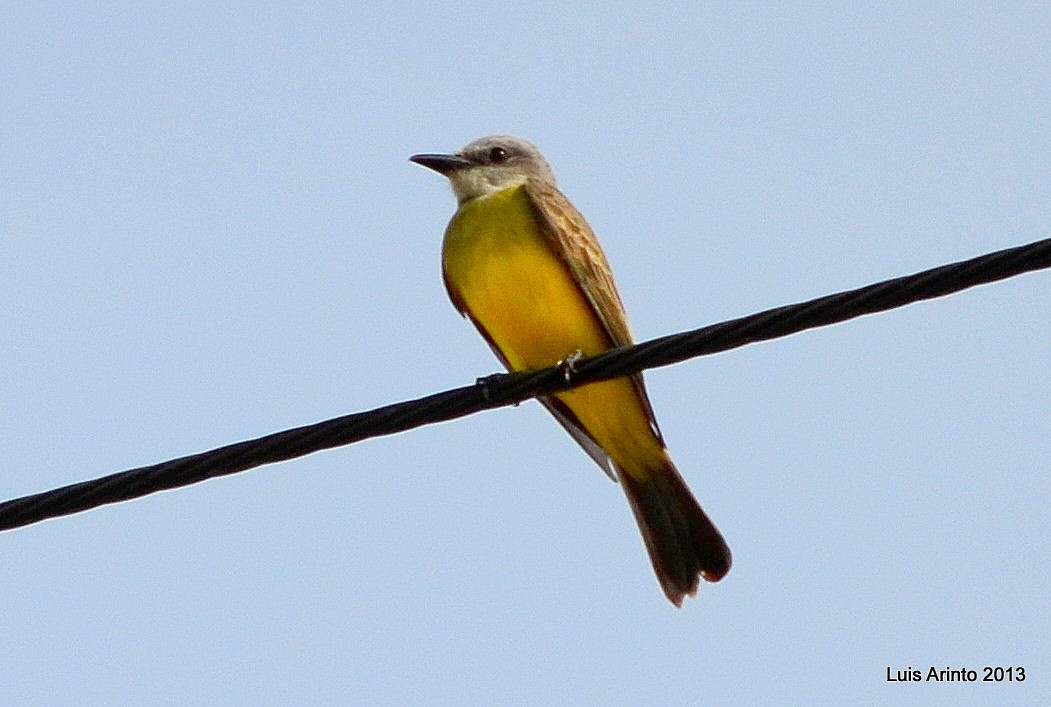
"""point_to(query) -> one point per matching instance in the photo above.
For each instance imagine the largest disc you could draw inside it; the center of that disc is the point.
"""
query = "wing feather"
(568, 235)
(570, 238)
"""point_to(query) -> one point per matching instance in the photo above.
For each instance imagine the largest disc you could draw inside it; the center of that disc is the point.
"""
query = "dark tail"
(683, 544)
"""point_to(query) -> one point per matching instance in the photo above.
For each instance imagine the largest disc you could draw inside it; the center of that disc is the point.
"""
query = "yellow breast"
(499, 267)
(497, 263)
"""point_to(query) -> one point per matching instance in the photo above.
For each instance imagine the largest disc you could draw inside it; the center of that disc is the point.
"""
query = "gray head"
(489, 165)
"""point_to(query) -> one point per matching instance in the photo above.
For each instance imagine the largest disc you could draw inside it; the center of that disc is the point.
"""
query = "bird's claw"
(486, 381)
(568, 365)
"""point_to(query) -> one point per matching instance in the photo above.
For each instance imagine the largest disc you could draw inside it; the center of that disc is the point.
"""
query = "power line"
(507, 389)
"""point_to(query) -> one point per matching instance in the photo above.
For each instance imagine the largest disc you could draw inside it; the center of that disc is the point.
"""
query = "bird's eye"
(497, 154)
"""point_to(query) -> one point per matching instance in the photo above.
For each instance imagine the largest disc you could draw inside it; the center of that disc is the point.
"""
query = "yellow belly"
(524, 297)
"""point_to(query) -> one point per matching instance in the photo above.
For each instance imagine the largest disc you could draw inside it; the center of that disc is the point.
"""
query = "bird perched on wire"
(523, 265)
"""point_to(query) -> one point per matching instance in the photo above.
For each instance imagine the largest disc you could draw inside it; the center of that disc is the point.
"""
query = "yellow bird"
(523, 265)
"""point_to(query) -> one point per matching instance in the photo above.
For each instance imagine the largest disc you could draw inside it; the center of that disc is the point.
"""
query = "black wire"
(506, 389)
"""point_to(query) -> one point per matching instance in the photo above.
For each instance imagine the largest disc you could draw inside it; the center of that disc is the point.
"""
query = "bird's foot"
(486, 381)
(568, 365)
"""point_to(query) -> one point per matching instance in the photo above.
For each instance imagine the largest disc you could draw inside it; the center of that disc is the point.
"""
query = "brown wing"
(572, 240)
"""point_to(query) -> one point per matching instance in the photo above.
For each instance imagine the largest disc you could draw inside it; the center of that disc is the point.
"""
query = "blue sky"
(209, 230)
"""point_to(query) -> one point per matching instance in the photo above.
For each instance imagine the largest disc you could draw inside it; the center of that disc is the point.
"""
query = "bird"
(523, 265)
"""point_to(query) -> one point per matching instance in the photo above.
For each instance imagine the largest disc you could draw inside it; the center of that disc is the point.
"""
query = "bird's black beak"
(442, 164)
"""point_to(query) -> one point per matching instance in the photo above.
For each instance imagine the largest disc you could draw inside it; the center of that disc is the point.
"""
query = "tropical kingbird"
(523, 265)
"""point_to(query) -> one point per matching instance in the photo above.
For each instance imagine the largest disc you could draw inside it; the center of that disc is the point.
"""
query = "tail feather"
(682, 542)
